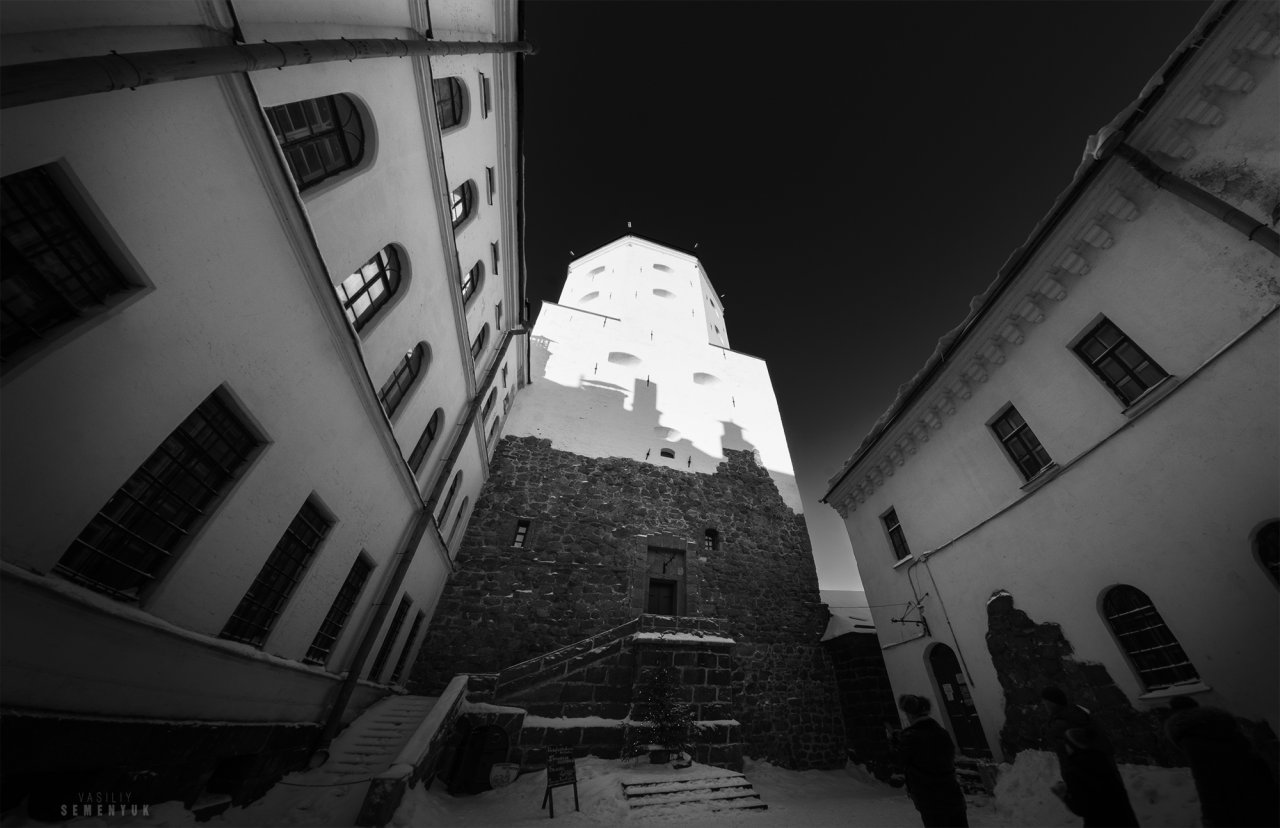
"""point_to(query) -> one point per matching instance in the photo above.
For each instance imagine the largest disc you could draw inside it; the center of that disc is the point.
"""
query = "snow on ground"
(796, 799)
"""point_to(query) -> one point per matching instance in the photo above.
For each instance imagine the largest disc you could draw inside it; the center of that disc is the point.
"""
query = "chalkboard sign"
(560, 772)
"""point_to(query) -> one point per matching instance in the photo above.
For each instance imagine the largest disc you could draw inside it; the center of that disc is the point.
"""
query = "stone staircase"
(696, 790)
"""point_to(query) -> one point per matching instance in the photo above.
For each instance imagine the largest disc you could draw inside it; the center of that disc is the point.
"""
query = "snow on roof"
(839, 626)
(683, 636)
(1125, 121)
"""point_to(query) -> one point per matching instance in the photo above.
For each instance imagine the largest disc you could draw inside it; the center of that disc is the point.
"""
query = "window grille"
(343, 603)
(897, 538)
(1118, 362)
(471, 281)
(451, 102)
(253, 619)
(1152, 648)
(477, 347)
(1021, 443)
(402, 378)
(461, 203)
(408, 647)
(321, 137)
(368, 290)
(666, 452)
(425, 442)
(711, 540)
(522, 533)
(387, 643)
(52, 269)
(127, 543)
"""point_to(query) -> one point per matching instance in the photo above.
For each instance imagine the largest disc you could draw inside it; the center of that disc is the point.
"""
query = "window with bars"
(321, 137)
(477, 347)
(343, 603)
(428, 439)
(52, 269)
(493, 257)
(1152, 648)
(451, 102)
(711, 540)
(403, 660)
(461, 202)
(1121, 365)
(897, 538)
(252, 620)
(397, 386)
(448, 498)
(1020, 443)
(490, 183)
(1266, 545)
(142, 526)
(380, 661)
(668, 453)
(471, 281)
(370, 288)
(522, 533)
(488, 403)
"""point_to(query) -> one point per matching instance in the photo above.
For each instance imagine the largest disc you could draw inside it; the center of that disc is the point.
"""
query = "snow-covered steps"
(369, 744)
(699, 789)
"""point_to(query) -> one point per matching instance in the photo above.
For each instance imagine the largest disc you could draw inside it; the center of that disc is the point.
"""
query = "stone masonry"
(584, 568)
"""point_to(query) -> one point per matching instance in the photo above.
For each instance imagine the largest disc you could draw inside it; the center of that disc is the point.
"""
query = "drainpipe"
(49, 80)
(1112, 141)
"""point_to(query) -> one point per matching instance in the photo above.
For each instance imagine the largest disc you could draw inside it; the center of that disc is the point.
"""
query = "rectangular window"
(493, 257)
(128, 542)
(491, 185)
(408, 647)
(343, 603)
(504, 376)
(497, 319)
(1118, 362)
(53, 270)
(486, 95)
(392, 634)
(253, 619)
(522, 533)
(1021, 443)
(897, 538)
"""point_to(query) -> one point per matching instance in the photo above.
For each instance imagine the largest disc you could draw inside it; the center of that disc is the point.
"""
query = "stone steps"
(722, 791)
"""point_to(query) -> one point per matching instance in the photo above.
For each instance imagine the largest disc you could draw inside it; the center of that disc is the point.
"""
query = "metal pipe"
(29, 83)
(1253, 229)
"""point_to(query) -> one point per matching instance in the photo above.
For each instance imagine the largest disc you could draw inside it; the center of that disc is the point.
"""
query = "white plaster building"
(251, 322)
(1099, 437)
(634, 361)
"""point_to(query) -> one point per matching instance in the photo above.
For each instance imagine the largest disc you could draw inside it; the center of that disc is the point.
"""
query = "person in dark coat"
(1091, 786)
(1234, 782)
(928, 758)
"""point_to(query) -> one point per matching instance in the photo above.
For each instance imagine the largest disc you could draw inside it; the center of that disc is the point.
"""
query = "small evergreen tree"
(657, 701)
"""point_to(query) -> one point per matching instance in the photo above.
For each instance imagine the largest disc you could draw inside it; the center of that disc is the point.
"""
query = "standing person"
(928, 758)
(1091, 786)
(1234, 783)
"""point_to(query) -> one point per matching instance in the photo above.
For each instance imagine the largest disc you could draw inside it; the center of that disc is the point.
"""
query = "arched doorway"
(957, 702)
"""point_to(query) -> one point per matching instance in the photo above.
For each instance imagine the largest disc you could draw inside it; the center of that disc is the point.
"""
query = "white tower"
(635, 362)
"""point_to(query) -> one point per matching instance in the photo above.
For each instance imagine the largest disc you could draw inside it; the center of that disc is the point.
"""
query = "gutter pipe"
(49, 80)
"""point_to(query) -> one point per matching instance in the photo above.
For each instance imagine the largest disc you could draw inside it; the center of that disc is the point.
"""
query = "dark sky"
(852, 173)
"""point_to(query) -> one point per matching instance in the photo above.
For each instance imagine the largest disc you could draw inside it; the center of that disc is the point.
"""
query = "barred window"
(471, 281)
(343, 603)
(477, 347)
(52, 269)
(252, 620)
(397, 386)
(897, 538)
(408, 647)
(711, 540)
(522, 532)
(1021, 443)
(142, 525)
(1118, 362)
(380, 661)
(461, 203)
(451, 102)
(427, 439)
(321, 137)
(368, 290)
(1153, 651)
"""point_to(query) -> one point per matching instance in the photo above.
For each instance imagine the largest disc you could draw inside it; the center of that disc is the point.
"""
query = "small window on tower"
(522, 533)
(668, 453)
(711, 540)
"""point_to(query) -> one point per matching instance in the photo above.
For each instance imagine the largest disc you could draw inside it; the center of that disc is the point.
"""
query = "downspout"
(955, 640)
(49, 80)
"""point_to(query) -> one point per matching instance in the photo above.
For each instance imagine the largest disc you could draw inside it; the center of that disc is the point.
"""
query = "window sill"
(1042, 477)
(905, 560)
(1188, 689)
(1151, 396)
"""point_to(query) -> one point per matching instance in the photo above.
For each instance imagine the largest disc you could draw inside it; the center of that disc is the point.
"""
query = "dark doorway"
(662, 597)
(958, 703)
(666, 588)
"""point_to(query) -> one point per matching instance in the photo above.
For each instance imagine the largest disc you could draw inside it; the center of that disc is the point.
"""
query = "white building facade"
(1093, 456)
(250, 324)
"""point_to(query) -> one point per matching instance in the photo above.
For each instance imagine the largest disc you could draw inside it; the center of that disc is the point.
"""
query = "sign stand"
(560, 772)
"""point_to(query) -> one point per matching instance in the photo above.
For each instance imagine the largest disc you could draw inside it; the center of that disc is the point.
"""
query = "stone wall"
(866, 698)
(584, 569)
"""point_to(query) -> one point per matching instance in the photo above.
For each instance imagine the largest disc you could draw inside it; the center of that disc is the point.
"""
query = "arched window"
(464, 197)
(426, 440)
(1153, 651)
(457, 520)
(448, 498)
(451, 102)
(366, 291)
(493, 433)
(488, 404)
(477, 347)
(321, 137)
(666, 452)
(1266, 545)
(397, 386)
(711, 540)
(471, 281)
